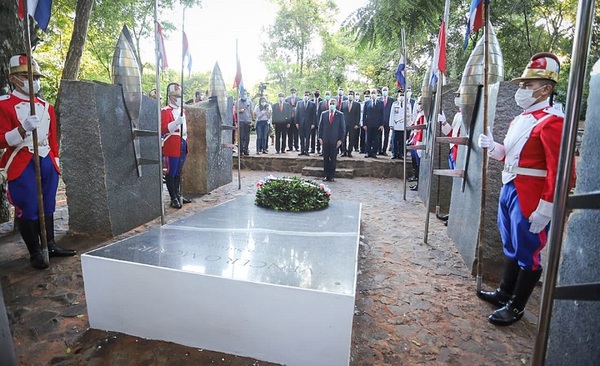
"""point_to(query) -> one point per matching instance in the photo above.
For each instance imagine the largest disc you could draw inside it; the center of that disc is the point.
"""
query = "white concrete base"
(234, 310)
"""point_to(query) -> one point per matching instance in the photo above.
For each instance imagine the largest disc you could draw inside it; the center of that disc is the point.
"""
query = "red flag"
(187, 56)
(442, 48)
(238, 83)
(162, 54)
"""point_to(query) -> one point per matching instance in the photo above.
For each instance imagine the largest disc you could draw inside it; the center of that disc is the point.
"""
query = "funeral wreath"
(291, 194)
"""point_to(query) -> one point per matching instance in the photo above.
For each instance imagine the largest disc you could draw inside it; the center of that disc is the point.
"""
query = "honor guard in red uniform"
(530, 153)
(175, 149)
(17, 163)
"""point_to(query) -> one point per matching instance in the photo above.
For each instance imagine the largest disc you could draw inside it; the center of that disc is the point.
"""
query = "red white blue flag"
(238, 82)
(38, 9)
(439, 56)
(162, 53)
(400, 75)
(475, 20)
(187, 56)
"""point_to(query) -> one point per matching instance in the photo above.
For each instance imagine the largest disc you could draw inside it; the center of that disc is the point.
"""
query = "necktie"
(330, 117)
(349, 106)
(384, 101)
(339, 103)
(280, 107)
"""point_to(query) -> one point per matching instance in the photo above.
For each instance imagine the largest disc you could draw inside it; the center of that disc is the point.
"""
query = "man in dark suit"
(384, 135)
(313, 130)
(331, 133)
(351, 110)
(322, 107)
(282, 112)
(372, 123)
(293, 130)
(306, 117)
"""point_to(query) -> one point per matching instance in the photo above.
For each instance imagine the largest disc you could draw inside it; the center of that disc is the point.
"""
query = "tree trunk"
(76, 46)
(11, 40)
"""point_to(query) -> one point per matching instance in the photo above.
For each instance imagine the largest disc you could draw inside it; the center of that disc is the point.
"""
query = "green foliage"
(292, 194)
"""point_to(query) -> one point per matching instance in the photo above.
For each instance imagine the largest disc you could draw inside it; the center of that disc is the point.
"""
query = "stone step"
(315, 171)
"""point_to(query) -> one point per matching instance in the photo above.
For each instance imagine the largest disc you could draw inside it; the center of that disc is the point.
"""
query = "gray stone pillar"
(574, 338)
(104, 193)
(465, 207)
(7, 350)
(208, 164)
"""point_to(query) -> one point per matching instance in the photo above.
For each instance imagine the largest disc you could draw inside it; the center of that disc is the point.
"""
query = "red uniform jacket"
(540, 151)
(171, 141)
(12, 104)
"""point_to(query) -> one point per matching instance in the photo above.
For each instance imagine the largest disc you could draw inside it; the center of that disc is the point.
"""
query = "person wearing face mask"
(306, 117)
(351, 110)
(292, 132)
(316, 99)
(282, 113)
(175, 149)
(530, 152)
(384, 134)
(245, 113)
(322, 107)
(372, 123)
(362, 137)
(263, 113)
(331, 133)
(16, 126)
(396, 123)
(453, 130)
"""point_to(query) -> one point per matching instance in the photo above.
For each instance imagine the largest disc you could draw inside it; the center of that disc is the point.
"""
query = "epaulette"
(4, 97)
(166, 108)
(554, 111)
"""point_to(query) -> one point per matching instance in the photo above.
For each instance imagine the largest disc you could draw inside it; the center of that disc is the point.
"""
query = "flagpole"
(181, 149)
(237, 111)
(434, 120)
(484, 168)
(403, 36)
(158, 119)
(34, 135)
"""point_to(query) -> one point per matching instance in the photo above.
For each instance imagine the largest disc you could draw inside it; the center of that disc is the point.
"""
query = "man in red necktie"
(331, 134)
(384, 136)
(292, 129)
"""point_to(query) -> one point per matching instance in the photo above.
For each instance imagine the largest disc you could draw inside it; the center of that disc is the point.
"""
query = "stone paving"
(415, 302)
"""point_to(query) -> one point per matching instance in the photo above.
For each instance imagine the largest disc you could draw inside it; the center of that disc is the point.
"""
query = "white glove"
(31, 123)
(538, 222)
(486, 141)
(179, 121)
(173, 126)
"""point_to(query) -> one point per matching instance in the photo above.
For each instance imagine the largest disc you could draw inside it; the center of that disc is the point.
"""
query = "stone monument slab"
(238, 279)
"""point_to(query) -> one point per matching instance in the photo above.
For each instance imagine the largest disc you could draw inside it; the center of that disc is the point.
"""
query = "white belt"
(511, 169)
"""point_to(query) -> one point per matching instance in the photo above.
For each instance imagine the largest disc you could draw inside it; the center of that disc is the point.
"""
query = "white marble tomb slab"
(238, 279)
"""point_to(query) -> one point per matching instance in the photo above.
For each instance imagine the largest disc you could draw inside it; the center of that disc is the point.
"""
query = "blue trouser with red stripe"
(175, 163)
(519, 243)
(22, 192)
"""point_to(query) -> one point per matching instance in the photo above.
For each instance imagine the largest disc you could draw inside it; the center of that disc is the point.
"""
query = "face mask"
(317, 95)
(177, 102)
(340, 93)
(525, 98)
(327, 97)
(243, 97)
(263, 104)
(280, 99)
(358, 98)
(457, 101)
(350, 97)
(385, 93)
(306, 97)
(293, 95)
(373, 96)
(36, 86)
(332, 107)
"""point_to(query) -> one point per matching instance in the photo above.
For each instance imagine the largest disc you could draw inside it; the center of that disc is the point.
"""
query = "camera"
(261, 88)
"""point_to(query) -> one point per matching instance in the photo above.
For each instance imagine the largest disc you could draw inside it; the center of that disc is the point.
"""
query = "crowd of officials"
(303, 124)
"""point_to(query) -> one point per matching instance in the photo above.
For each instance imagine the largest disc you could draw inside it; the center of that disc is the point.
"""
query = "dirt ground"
(415, 302)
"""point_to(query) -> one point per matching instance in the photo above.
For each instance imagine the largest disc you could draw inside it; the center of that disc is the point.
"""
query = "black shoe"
(325, 179)
(37, 261)
(413, 179)
(367, 156)
(374, 156)
(394, 157)
(185, 200)
(283, 151)
(444, 217)
(320, 154)
(349, 155)
(414, 188)
(312, 151)
(290, 149)
(55, 251)
(265, 152)
(506, 315)
(498, 298)
(382, 153)
(175, 203)
(246, 153)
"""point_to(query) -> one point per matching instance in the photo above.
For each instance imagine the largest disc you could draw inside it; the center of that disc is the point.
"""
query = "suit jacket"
(317, 102)
(293, 101)
(387, 108)
(334, 131)
(281, 116)
(322, 107)
(373, 113)
(306, 115)
(351, 116)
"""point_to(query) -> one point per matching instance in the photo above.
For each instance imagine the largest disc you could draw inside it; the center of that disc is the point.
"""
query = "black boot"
(182, 199)
(53, 249)
(170, 182)
(515, 307)
(504, 292)
(30, 230)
